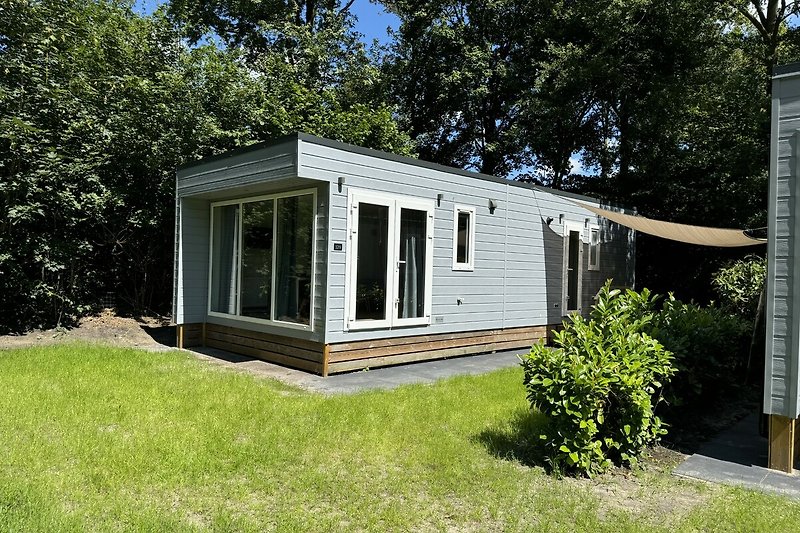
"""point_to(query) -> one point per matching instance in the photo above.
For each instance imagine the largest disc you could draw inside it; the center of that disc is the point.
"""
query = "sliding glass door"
(389, 261)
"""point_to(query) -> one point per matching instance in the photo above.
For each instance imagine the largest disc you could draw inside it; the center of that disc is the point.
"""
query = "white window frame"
(568, 227)
(470, 264)
(394, 203)
(594, 229)
(238, 316)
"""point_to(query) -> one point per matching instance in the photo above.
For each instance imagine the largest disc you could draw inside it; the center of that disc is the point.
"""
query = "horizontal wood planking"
(382, 352)
(242, 340)
(411, 357)
(272, 357)
(381, 343)
(295, 353)
(526, 293)
(269, 337)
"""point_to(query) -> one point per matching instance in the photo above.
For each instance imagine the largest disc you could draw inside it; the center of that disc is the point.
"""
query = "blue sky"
(372, 23)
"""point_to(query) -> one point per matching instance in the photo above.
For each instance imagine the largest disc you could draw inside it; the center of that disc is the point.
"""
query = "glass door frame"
(580, 229)
(395, 204)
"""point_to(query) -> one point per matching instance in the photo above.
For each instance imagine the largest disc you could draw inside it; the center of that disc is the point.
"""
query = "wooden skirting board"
(327, 359)
(287, 351)
(370, 354)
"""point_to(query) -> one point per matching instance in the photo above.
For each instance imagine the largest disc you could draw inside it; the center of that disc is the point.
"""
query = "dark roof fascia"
(783, 70)
(345, 147)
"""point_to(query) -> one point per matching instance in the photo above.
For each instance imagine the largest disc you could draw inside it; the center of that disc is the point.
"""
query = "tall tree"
(97, 107)
(458, 71)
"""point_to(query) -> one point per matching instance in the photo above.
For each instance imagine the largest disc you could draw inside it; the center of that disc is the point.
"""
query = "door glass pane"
(411, 263)
(224, 259)
(462, 244)
(573, 269)
(256, 295)
(294, 259)
(593, 247)
(373, 247)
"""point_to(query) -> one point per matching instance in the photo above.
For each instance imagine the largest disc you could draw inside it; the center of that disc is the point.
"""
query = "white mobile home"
(330, 257)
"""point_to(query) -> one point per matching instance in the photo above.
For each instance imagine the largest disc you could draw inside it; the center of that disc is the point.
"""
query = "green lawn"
(114, 439)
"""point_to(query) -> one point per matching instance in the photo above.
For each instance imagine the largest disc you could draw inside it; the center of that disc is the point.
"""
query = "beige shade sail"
(702, 235)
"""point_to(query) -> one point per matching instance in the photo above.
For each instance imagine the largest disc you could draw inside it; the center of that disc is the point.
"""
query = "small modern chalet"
(328, 257)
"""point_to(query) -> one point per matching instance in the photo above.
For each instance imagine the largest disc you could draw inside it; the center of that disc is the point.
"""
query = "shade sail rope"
(702, 235)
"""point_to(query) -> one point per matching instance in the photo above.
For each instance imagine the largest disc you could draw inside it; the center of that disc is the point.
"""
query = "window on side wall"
(463, 238)
(594, 248)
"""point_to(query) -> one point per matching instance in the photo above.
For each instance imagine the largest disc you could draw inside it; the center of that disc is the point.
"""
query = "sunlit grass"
(103, 438)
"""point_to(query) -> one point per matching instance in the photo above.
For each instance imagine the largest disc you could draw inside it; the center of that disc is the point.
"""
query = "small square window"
(594, 249)
(463, 238)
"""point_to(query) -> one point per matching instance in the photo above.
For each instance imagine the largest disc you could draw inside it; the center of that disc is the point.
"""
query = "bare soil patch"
(106, 327)
(648, 492)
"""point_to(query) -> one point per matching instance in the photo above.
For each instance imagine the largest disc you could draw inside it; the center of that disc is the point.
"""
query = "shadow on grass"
(518, 440)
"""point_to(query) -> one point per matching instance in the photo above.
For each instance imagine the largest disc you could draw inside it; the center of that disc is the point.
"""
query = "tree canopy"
(659, 105)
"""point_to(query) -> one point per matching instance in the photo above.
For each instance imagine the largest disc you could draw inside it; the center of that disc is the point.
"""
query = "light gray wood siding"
(783, 290)
(191, 273)
(239, 170)
(517, 279)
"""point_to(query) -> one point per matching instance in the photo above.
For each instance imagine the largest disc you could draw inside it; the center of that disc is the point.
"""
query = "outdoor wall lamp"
(492, 206)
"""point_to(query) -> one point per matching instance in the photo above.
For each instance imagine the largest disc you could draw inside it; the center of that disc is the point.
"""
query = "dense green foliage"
(107, 439)
(600, 386)
(709, 346)
(740, 284)
(98, 105)
(640, 340)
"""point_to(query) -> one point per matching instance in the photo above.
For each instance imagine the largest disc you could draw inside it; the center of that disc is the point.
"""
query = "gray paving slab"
(738, 456)
(389, 377)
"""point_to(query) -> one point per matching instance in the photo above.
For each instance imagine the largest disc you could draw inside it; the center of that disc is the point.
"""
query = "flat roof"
(784, 70)
(339, 145)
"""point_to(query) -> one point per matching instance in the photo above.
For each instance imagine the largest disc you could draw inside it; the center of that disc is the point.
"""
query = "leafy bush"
(600, 386)
(709, 347)
(740, 283)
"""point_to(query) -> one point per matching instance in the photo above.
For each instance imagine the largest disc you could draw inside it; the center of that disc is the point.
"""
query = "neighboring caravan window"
(463, 238)
(594, 249)
(262, 259)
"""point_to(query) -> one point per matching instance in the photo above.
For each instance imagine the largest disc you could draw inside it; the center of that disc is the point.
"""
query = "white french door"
(389, 261)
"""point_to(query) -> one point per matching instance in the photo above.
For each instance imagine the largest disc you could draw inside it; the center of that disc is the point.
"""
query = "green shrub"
(600, 385)
(739, 285)
(709, 346)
